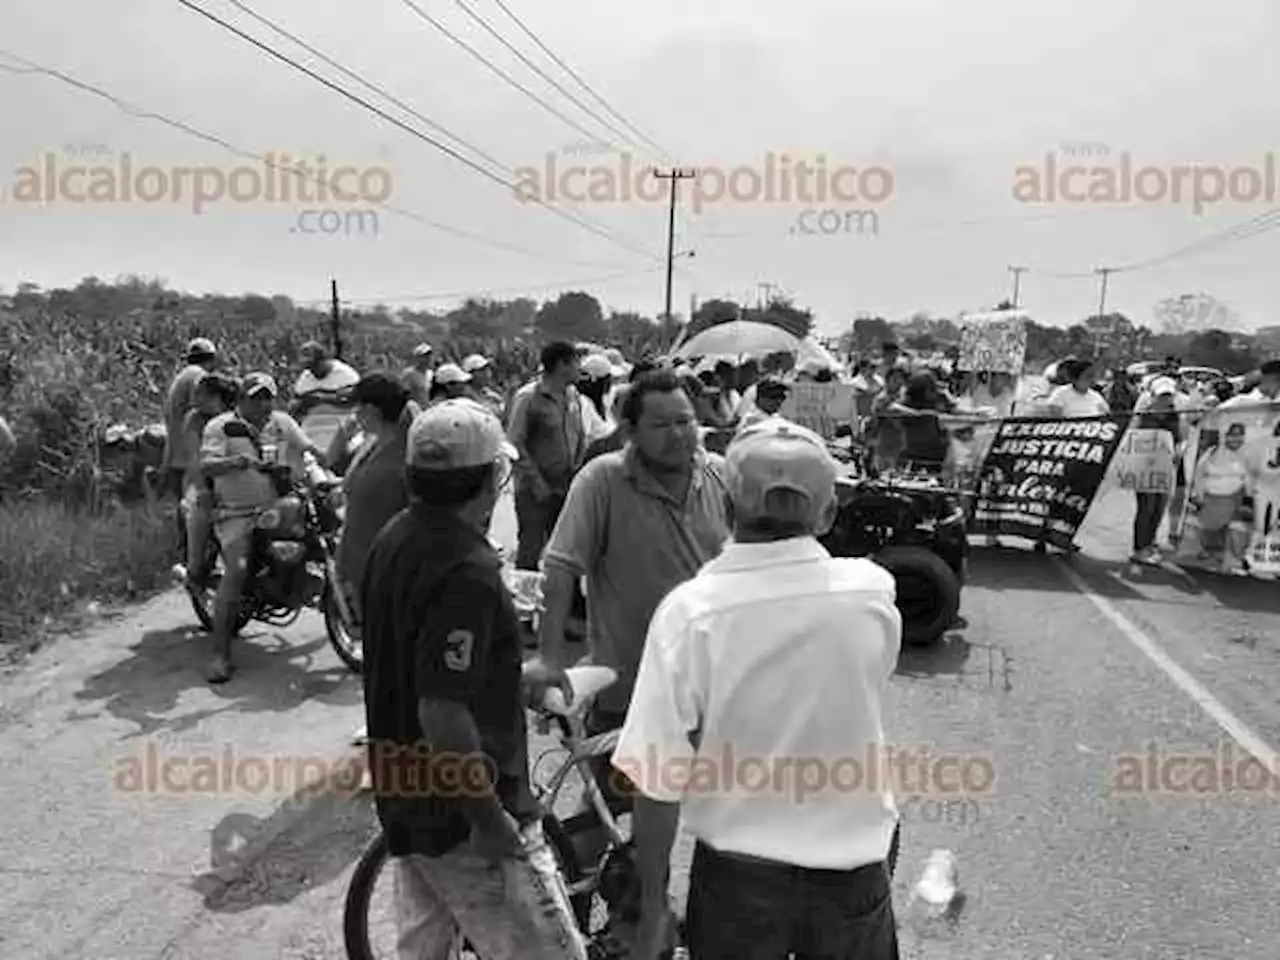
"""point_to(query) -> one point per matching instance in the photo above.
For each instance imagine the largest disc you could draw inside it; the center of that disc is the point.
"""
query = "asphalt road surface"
(1068, 674)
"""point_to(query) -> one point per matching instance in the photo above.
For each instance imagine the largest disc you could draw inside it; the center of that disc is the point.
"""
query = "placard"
(1041, 476)
(994, 342)
(822, 407)
(1230, 520)
(1144, 461)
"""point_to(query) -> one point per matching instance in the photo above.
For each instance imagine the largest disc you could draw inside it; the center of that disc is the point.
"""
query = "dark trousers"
(1146, 522)
(747, 909)
(535, 519)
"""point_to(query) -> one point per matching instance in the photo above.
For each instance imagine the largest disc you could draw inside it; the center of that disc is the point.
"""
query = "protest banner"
(820, 406)
(1144, 461)
(1231, 519)
(995, 342)
(1041, 476)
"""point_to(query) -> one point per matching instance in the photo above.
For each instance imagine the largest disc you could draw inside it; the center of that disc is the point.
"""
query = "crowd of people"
(706, 590)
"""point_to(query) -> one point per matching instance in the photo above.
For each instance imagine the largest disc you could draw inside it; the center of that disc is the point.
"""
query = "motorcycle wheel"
(928, 592)
(344, 637)
(202, 600)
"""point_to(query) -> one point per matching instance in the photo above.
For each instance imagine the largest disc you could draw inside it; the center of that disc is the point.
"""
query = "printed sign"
(820, 406)
(1144, 461)
(994, 341)
(1230, 517)
(1041, 476)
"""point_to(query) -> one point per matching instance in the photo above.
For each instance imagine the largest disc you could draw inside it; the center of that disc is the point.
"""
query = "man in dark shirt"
(443, 693)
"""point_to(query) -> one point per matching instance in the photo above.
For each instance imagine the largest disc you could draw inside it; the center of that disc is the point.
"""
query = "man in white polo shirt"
(774, 654)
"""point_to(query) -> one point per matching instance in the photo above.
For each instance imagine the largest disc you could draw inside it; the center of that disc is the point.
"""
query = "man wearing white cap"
(481, 371)
(179, 452)
(594, 392)
(448, 739)
(239, 450)
(754, 659)
(417, 376)
(449, 382)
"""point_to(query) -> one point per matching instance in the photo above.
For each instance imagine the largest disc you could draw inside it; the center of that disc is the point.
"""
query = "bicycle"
(604, 895)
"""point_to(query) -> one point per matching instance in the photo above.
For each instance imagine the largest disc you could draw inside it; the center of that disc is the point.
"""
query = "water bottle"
(938, 885)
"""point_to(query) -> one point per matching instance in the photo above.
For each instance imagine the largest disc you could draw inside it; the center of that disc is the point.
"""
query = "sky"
(952, 123)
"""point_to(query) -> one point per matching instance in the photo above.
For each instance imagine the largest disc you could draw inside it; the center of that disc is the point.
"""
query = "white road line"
(1236, 728)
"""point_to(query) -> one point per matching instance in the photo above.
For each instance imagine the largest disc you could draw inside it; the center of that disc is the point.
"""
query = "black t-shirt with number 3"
(439, 624)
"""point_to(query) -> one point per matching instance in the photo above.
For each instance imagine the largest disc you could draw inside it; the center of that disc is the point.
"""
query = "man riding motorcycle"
(242, 469)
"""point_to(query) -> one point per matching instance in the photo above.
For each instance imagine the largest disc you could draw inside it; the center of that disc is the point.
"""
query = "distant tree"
(870, 332)
(255, 309)
(921, 342)
(573, 316)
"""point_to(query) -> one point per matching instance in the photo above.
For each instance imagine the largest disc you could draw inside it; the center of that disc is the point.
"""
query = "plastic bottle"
(939, 884)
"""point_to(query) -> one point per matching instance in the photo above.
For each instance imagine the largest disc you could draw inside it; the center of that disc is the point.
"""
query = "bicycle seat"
(587, 682)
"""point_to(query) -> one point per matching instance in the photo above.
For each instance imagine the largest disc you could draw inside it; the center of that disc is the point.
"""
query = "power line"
(496, 69)
(489, 28)
(1253, 227)
(408, 108)
(515, 288)
(585, 86)
(444, 148)
(133, 110)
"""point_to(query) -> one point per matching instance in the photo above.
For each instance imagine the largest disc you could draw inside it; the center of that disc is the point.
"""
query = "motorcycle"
(913, 526)
(292, 564)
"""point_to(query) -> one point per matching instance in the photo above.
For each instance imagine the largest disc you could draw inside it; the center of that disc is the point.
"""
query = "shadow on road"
(947, 656)
(308, 842)
(273, 674)
(1246, 594)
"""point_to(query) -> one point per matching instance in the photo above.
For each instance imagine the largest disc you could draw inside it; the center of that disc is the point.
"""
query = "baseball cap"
(200, 348)
(776, 454)
(474, 362)
(451, 373)
(454, 435)
(597, 366)
(256, 382)
(1163, 387)
(422, 350)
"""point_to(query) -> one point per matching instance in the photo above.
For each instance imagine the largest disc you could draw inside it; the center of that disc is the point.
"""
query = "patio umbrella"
(738, 338)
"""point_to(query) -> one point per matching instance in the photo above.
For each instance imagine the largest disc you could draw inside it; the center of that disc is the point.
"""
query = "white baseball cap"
(1163, 387)
(451, 373)
(474, 362)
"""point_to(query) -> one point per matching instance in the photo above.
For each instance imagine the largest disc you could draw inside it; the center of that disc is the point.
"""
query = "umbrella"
(738, 338)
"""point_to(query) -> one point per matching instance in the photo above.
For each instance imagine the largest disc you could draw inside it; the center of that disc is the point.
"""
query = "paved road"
(1057, 676)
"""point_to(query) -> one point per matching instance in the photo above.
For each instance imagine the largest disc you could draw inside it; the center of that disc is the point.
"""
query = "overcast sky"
(950, 97)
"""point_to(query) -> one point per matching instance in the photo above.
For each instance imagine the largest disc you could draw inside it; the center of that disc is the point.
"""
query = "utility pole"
(1017, 282)
(768, 289)
(335, 319)
(1104, 273)
(675, 176)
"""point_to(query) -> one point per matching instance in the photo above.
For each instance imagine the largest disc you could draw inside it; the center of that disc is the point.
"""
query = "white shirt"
(594, 426)
(1073, 403)
(778, 654)
(323, 420)
(339, 377)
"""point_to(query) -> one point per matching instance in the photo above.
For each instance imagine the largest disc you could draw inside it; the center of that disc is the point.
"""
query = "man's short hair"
(383, 392)
(1270, 368)
(557, 353)
(226, 388)
(652, 381)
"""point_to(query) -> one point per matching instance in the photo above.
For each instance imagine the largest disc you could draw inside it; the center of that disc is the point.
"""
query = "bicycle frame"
(577, 746)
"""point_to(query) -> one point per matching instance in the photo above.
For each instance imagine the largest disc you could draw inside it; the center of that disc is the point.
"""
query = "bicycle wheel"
(368, 923)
